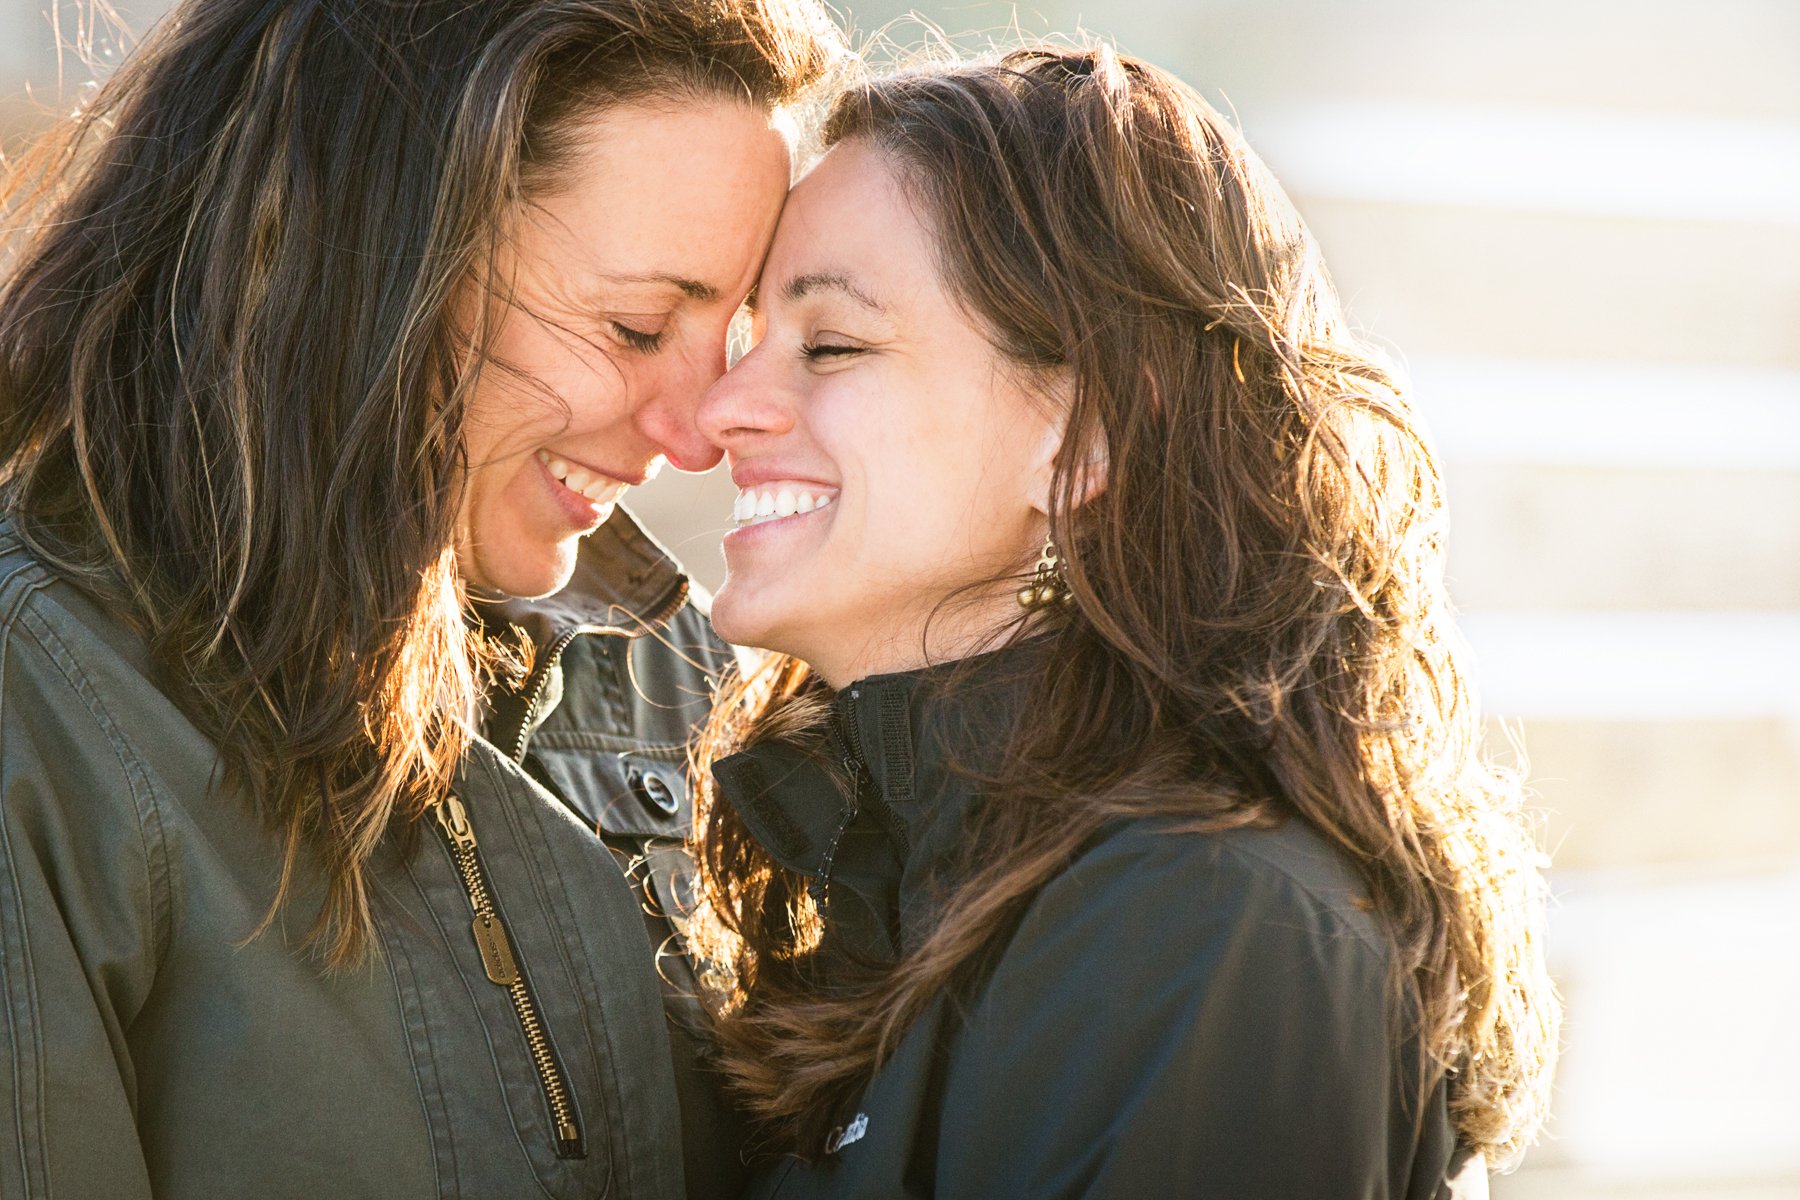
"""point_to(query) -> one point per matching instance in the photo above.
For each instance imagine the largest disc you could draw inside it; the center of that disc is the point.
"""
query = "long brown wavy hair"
(1258, 629)
(233, 384)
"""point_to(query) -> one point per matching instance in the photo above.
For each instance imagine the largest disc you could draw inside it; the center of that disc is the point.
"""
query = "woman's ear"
(1091, 473)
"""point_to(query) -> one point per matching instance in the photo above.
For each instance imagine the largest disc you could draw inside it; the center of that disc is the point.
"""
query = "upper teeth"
(775, 501)
(597, 488)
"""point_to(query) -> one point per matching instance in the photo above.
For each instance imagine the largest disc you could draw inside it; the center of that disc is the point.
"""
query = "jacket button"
(653, 792)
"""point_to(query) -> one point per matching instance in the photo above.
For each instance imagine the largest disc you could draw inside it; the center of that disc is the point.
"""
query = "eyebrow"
(836, 281)
(690, 287)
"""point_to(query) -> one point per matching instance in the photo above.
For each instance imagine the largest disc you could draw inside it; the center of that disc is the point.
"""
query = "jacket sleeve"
(84, 894)
(1175, 1018)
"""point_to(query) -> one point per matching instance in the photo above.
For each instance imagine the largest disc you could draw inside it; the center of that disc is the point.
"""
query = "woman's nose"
(669, 418)
(746, 404)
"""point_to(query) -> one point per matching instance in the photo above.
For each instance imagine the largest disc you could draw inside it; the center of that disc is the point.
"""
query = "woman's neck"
(951, 633)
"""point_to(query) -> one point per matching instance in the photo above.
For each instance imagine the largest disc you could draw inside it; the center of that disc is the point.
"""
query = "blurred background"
(1577, 224)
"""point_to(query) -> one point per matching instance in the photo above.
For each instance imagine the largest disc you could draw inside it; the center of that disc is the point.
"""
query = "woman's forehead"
(849, 231)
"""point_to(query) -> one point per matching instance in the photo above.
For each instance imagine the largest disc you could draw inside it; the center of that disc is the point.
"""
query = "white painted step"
(1589, 162)
(1649, 666)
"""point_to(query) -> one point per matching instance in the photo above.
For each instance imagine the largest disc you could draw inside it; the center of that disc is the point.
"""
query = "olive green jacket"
(149, 1046)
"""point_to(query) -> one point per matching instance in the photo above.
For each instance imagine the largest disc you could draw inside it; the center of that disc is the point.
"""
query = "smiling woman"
(1112, 820)
(330, 333)
(933, 504)
(605, 316)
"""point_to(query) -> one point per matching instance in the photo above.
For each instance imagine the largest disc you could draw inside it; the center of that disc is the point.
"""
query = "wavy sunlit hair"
(1259, 628)
(232, 382)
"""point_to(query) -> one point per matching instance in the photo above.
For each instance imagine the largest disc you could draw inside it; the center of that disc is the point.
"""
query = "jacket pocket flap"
(623, 794)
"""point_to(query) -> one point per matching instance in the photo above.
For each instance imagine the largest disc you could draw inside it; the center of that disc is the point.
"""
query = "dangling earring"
(1048, 585)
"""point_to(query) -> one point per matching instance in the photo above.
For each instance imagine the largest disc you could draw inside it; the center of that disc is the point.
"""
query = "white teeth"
(597, 488)
(753, 507)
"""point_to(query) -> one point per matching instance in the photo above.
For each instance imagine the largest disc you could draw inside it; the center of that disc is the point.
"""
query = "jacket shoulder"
(1161, 871)
(1217, 999)
(20, 572)
(82, 644)
(92, 752)
(1256, 921)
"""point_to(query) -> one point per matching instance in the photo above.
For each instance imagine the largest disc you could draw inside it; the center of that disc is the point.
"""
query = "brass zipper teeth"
(502, 968)
(533, 689)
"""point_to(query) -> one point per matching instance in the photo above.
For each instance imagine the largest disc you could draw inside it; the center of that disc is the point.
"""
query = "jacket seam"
(157, 867)
(394, 950)
(1253, 863)
(502, 790)
(567, 740)
(23, 566)
(1326, 906)
(31, 1149)
(487, 1032)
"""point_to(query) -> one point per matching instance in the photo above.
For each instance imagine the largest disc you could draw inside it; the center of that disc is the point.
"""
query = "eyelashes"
(816, 351)
(637, 339)
(648, 343)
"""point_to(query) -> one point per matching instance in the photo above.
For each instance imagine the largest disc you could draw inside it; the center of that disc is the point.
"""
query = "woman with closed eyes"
(336, 685)
(1109, 820)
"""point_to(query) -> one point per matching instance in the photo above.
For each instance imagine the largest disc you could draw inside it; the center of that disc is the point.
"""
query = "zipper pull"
(496, 951)
(844, 732)
(454, 819)
(490, 934)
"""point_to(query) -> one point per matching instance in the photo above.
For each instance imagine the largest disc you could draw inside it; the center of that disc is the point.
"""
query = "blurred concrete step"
(1573, 1184)
(1530, 158)
(1451, 281)
(1608, 414)
(1596, 538)
(1679, 1049)
(1571, 665)
(1662, 794)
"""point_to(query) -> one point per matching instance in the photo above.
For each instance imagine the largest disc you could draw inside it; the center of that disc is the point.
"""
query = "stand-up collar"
(624, 583)
(919, 741)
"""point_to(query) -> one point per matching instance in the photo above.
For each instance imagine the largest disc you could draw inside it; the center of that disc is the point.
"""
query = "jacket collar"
(624, 583)
(923, 739)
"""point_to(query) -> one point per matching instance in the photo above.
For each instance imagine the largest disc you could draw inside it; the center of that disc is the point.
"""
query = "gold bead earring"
(1048, 584)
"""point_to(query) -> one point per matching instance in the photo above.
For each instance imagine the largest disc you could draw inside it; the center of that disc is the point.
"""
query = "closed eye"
(818, 351)
(638, 339)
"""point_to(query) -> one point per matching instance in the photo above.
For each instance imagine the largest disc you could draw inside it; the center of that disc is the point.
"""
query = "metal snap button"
(653, 792)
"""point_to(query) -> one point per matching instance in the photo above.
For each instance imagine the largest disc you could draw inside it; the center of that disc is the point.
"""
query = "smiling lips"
(771, 502)
(596, 488)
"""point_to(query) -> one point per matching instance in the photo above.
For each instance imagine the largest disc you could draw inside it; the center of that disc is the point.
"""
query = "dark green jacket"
(1177, 1014)
(147, 1048)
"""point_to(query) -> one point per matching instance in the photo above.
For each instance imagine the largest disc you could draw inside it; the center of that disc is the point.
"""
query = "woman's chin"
(729, 618)
(527, 571)
(746, 615)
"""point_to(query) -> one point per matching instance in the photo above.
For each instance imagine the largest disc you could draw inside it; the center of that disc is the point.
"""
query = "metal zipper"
(533, 691)
(503, 969)
(864, 792)
(868, 792)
